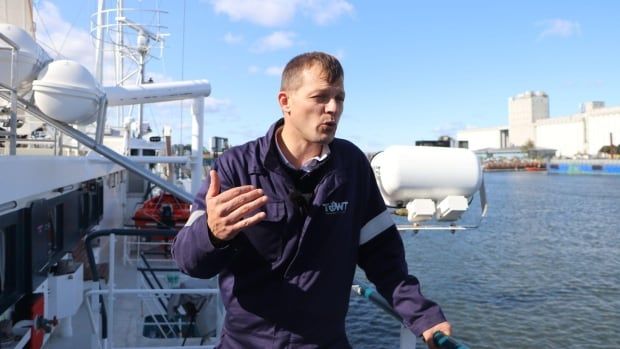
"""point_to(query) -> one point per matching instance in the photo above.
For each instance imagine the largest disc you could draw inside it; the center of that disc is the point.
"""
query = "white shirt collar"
(310, 164)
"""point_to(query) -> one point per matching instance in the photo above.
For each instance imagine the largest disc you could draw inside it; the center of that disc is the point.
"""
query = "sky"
(414, 70)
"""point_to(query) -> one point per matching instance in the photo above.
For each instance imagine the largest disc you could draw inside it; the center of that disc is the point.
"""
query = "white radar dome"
(68, 92)
(30, 59)
(405, 173)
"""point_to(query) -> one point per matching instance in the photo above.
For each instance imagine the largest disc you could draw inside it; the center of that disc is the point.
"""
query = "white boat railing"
(134, 246)
(157, 295)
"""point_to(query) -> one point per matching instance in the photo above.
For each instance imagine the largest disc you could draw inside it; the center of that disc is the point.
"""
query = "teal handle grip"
(446, 342)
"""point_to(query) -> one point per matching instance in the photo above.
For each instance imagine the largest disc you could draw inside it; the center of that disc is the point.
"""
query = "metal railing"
(156, 293)
(441, 340)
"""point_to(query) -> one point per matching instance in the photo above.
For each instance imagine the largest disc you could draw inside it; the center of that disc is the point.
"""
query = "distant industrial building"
(443, 141)
(529, 124)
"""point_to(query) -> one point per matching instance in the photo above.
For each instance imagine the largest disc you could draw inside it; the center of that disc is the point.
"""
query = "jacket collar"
(268, 152)
(310, 164)
(269, 156)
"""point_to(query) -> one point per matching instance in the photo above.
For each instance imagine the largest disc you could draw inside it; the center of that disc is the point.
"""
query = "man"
(287, 219)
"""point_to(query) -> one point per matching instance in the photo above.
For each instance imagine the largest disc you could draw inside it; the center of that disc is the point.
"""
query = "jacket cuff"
(217, 244)
(426, 322)
(211, 243)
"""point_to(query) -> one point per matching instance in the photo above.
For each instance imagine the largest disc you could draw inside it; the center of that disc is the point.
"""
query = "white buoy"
(68, 92)
(30, 58)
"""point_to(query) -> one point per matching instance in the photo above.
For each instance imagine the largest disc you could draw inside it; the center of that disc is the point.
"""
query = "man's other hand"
(428, 334)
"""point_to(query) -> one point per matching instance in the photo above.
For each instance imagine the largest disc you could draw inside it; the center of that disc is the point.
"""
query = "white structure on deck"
(481, 138)
(528, 120)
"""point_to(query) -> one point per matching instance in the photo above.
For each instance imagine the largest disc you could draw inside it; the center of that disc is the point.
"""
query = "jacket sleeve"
(192, 248)
(382, 257)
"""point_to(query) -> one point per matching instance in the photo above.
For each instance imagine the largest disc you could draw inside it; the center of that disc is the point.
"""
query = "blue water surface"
(542, 271)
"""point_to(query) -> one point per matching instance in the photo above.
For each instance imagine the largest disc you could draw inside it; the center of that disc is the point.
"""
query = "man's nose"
(331, 106)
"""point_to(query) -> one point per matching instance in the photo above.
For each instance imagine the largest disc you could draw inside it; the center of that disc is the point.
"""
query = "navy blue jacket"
(286, 281)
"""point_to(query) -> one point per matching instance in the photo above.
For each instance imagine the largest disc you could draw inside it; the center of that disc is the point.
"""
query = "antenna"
(115, 30)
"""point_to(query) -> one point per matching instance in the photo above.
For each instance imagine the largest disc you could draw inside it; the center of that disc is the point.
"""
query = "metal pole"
(141, 106)
(99, 45)
(197, 131)
(118, 55)
(101, 118)
(111, 288)
(13, 122)
(13, 88)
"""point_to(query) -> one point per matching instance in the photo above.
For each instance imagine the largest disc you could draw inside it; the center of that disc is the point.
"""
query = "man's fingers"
(248, 222)
(214, 185)
(232, 193)
(243, 210)
(232, 224)
(238, 201)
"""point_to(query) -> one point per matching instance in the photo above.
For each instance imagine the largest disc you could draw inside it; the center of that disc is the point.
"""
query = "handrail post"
(111, 287)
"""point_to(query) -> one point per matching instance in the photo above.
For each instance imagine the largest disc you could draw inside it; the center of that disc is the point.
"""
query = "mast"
(99, 42)
(118, 55)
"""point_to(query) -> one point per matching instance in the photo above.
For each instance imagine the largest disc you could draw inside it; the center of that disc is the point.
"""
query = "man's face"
(313, 110)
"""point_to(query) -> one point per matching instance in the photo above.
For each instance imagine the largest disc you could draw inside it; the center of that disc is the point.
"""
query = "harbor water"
(542, 271)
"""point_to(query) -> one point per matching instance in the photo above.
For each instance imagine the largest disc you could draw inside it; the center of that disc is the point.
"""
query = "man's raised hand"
(226, 212)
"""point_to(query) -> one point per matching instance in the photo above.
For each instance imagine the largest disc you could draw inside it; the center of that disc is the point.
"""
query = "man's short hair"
(291, 76)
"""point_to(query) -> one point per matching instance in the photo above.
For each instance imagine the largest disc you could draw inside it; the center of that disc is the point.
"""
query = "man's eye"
(321, 98)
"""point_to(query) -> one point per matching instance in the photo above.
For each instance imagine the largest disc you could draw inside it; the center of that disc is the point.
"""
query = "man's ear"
(284, 101)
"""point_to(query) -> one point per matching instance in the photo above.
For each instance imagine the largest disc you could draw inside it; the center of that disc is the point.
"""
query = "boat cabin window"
(7, 260)
(12, 261)
(2, 260)
(143, 152)
(136, 184)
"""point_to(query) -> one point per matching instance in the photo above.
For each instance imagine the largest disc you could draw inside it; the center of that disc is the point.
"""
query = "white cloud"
(449, 129)
(275, 41)
(253, 69)
(272, 13)
(232, 39)
(60, 39)
(267, 13)
(559, 28)
(274, 71)
(270, 71)
(215, 105)
(65, 41)
(326, 11)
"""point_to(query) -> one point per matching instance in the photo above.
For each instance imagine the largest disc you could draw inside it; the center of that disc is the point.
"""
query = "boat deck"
(132, 311)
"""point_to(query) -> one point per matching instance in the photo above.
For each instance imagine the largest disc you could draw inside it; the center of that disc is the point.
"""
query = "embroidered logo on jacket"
(335, 207)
